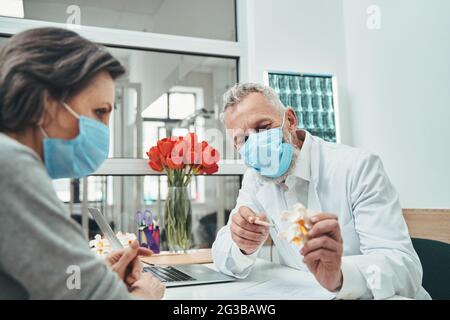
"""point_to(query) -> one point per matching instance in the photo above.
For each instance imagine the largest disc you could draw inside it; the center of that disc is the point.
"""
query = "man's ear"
(292, 119)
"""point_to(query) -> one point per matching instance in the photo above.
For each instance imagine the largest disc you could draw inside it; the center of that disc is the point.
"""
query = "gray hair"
(241, 90)
(53, 61)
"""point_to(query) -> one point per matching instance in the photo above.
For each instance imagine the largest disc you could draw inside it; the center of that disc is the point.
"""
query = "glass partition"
(162, 94)
(165, 94)
(120, 198)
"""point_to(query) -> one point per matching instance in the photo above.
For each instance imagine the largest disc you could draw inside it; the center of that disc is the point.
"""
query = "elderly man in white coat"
(359, 231)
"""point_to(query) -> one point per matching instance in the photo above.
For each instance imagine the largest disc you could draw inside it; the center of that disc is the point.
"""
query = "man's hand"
(126, 262)
(323, 251)
(148, 287)
(247, 235)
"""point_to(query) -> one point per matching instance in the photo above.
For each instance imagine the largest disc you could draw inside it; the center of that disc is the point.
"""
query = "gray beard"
(282, 178)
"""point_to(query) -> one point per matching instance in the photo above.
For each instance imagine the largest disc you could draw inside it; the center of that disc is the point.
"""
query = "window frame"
(117, 38)
(168, 118)
(127, 39)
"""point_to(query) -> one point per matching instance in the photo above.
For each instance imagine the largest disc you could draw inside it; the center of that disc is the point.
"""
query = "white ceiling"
(149, 7)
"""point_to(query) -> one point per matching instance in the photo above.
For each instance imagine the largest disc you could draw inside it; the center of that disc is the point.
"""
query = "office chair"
(435, 258)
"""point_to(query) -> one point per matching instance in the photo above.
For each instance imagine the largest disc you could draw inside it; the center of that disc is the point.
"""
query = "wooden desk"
(200, 256)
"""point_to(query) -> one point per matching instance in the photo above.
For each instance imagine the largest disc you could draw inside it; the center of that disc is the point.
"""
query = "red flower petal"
(211, 169)
(165, 146)
(210, 156)
(155, 166)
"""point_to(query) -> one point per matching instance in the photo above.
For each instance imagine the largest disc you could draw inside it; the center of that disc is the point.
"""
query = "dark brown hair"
(53, 60)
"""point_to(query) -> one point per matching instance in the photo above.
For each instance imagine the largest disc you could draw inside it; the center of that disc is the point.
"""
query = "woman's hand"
(126, 262)
(148, 287)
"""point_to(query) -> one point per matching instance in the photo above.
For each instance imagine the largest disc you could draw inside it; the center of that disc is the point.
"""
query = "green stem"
(178, 214)
(188, 177)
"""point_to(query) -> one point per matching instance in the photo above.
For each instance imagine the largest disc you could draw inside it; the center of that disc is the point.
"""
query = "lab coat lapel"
(269, 196)
(313, 197)
(273, 202)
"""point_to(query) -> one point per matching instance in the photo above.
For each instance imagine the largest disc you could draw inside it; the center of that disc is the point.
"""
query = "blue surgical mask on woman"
(266, 152)
(78, 157)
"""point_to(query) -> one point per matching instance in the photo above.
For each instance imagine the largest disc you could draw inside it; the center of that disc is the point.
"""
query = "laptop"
(171, 276)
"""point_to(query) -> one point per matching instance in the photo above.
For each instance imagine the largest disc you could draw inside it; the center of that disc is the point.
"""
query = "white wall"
(303, 36)
(393, 82)
(399, 80)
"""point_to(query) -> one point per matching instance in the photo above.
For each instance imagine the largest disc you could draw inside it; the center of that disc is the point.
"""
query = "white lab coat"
(379, 259)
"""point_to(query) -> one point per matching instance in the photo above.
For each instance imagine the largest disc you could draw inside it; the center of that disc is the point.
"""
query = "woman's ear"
(50, 108)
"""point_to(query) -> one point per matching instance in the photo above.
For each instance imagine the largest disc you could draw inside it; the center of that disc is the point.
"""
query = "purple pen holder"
(150, 238)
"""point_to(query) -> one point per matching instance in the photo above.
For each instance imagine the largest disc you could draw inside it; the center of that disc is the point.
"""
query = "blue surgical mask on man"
(78, 157)
(266, 152)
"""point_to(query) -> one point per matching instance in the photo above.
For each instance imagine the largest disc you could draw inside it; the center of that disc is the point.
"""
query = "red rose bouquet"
(181, 158)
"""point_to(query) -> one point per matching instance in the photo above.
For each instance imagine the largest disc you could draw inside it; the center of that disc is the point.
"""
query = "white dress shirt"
(379, 260)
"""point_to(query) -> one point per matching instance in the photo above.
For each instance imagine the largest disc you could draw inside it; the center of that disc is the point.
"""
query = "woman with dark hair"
(56, 96)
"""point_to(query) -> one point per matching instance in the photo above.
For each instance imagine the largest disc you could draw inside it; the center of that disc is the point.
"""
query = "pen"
(263, 223)
(260, 222)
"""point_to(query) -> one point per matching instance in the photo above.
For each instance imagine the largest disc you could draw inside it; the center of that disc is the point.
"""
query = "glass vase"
(178, 219)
